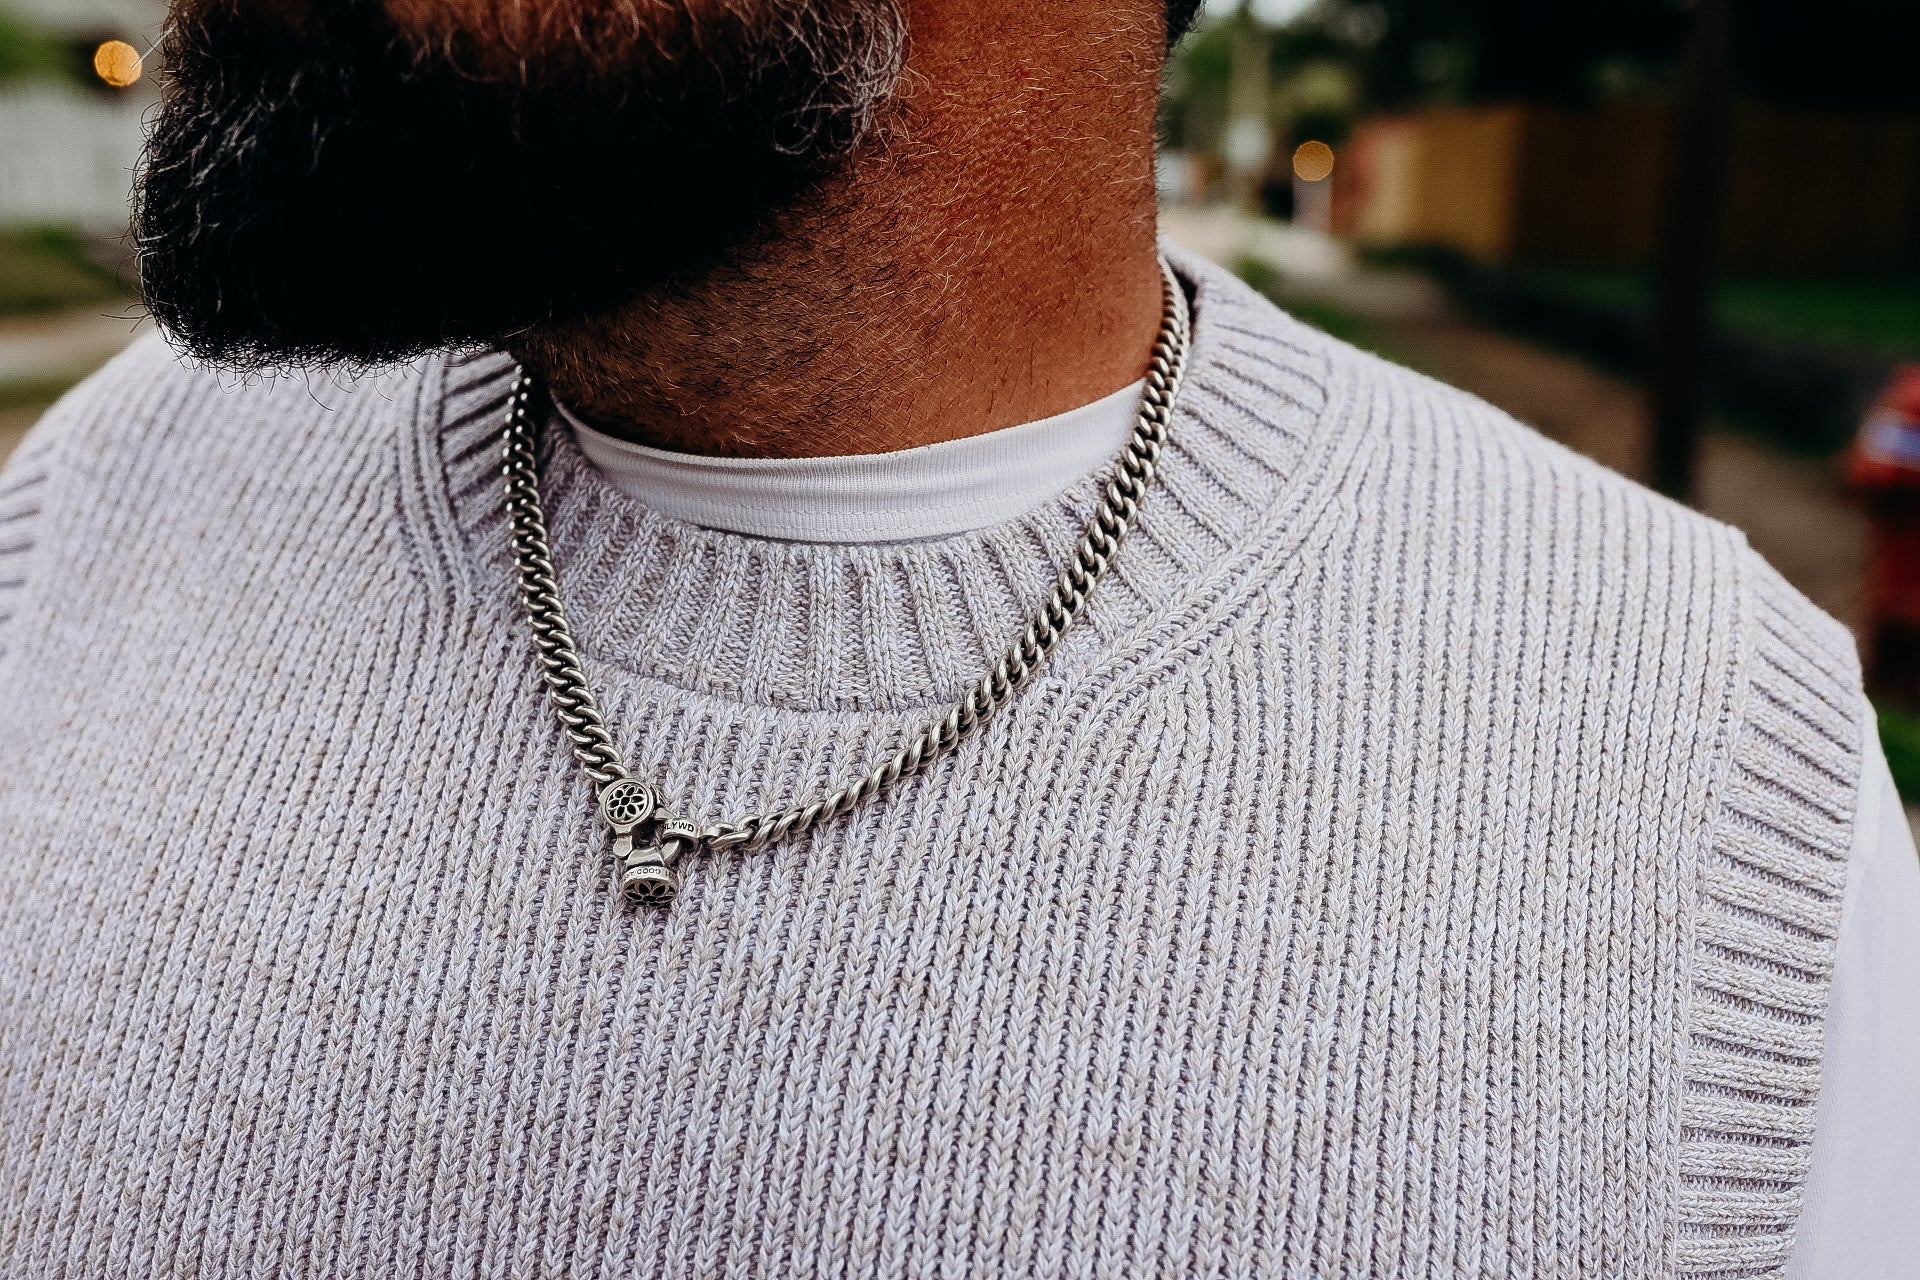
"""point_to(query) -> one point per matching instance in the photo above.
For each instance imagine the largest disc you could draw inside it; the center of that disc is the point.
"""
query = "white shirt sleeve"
(1860, 1218)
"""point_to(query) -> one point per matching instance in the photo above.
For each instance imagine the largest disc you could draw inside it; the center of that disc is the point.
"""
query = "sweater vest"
(1423, 860)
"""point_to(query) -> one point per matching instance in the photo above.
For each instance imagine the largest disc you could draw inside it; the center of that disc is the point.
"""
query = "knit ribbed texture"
(1424, 861)
(1764, 942)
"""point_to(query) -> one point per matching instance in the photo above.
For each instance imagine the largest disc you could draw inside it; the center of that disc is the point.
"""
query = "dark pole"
(1686, 261)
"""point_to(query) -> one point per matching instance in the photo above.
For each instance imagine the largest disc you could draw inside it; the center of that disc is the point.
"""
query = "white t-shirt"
(1861, 1215)
(912, 495)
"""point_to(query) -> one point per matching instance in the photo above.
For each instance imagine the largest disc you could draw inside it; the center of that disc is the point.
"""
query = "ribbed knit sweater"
(1424, 861)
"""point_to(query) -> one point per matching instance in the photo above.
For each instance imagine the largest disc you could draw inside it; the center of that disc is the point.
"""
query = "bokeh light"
(117, 62)
(1312, 161)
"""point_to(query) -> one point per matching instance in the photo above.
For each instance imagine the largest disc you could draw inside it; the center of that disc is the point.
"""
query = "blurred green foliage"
(1193, 96)
(46, 269)
(1900, 738)
(29, 53)
(1880, 314)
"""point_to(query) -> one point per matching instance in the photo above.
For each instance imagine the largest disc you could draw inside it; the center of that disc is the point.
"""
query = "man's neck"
(988, 259)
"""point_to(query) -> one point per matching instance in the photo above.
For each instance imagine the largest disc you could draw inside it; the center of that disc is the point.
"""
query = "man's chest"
(1114, 981)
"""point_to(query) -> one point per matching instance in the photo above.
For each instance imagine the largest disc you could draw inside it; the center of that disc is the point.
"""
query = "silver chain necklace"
(648, 840)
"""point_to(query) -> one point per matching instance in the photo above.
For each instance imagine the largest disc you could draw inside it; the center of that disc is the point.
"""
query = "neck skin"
(987, 259)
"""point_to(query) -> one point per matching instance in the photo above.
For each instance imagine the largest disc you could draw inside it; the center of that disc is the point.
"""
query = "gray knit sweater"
(1425, 861)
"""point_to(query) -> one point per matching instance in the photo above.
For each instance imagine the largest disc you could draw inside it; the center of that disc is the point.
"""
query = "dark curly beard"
(327, 190)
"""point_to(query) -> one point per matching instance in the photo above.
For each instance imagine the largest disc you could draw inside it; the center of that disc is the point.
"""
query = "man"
(1396, 846)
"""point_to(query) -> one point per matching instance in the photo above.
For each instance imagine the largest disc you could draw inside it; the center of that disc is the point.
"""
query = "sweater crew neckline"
(822, 626)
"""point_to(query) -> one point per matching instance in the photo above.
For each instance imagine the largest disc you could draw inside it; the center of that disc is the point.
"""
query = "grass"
(1878, 314)
(46, 269)
(18, 394)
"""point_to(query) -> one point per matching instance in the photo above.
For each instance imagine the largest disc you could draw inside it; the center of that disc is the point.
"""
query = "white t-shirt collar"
(911, 495)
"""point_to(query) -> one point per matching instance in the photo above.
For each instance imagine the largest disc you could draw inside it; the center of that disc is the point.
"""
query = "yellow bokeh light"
(1312, 161)
(117, 62)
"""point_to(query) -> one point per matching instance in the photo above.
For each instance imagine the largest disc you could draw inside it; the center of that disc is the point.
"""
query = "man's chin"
(294, 275)
(344, 201)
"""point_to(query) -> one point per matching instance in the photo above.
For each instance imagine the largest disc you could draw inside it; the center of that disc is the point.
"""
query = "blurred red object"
(1883, 467)
(1886, 453)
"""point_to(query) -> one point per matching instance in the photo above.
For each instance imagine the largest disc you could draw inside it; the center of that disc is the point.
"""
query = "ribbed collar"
(825, 627)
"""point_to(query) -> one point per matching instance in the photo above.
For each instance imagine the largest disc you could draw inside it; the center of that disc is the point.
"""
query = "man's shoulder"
(1545, 510)
(1477, 462)
(1463, 509)
(1398, 441)
(152, 413)
(1445, 469)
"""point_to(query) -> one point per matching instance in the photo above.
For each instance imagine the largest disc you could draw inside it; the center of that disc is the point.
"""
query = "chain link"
(579, 714)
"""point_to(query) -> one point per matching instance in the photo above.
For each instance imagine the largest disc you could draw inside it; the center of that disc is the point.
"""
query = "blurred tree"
(1193, 109)
(1481, 50)
(1835, 55)
(1839, 55)
(29, 53)
(1313, 87)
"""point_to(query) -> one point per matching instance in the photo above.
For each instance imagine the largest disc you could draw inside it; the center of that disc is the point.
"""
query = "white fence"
(67, 157)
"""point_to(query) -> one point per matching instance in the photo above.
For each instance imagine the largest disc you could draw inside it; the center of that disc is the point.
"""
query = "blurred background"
(73, 92)
(1681, 236)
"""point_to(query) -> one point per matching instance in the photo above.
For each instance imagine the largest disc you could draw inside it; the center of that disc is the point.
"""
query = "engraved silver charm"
(647, 876)
(646, 868)
(647, 880)
(627, 803)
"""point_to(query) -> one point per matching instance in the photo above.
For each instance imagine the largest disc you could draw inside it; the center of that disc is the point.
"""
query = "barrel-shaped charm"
(648, 881)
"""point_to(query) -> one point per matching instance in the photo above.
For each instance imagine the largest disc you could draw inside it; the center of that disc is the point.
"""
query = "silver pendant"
(626, 804)
(647, 875)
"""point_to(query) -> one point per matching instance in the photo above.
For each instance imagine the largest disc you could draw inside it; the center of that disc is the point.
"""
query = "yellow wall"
(1545, 185)
(1442, 177)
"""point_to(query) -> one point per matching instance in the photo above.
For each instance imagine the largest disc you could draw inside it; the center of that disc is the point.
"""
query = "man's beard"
(328, 189)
